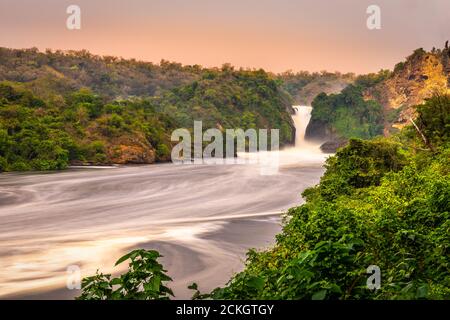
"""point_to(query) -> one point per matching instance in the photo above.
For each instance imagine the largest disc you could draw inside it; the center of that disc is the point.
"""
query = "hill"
(58, 109)
(381, 103)
(382, 204)
(304, 86)
(64, 71)
(417, 78)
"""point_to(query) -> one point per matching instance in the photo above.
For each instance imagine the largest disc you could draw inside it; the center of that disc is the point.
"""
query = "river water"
(202, 218)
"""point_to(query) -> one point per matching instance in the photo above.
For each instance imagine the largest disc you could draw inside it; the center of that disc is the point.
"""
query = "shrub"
(144, 280)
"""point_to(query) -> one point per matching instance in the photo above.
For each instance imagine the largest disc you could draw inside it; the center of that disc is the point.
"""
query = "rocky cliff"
(412, 81)
(380, 103)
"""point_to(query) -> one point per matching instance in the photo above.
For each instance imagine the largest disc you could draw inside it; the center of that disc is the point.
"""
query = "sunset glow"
(274, 35)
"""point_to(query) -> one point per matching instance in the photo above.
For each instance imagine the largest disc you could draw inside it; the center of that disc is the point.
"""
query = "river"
(202, 218)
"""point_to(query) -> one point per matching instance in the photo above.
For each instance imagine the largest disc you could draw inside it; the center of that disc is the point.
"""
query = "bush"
(434, 119)
(360, 164)
(348, 114)
(144, 280)
(378, 203)
(400, 225)
(162, 152)
(3, 164)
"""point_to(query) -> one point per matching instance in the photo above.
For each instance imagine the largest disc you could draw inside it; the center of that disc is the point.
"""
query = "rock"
(332, 146)
(133, 150)
(135, 154)
(415, 80)
(77, 163)
(319, 131)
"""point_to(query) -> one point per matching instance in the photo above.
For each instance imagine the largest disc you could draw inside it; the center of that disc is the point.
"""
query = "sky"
(276, 35)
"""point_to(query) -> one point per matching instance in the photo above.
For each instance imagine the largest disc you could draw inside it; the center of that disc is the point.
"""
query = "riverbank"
(205, 217)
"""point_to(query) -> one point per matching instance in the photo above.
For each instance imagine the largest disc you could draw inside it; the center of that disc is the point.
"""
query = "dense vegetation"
(380, 103)
(61, 72)
(130, 107)
(80, 128)
(348, 114)
(382, 202)
(231, 99)
(60, 115)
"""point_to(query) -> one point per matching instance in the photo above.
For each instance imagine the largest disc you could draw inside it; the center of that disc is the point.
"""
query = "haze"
(274, 35)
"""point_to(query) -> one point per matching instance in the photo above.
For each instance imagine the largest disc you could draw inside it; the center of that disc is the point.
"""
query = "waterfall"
(301, 119)
(304, 152)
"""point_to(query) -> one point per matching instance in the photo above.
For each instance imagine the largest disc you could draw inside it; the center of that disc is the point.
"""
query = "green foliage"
(29, 141)
(360, 164)
(67, 126)
(372, 79)
(231, 99)
(381, 203)
(434, 119)
(347, 114)
(162, 151)
(144, 280)
(61, 72)
(399, 67)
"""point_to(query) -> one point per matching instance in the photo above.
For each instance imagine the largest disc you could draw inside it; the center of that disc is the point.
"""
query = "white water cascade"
(303, 153)
(301, 119)
(51, 221)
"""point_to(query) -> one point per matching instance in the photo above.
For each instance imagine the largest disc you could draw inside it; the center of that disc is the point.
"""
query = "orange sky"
(276, 35)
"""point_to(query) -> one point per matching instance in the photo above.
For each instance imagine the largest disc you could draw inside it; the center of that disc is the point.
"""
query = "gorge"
(90, 217)
(204, 218)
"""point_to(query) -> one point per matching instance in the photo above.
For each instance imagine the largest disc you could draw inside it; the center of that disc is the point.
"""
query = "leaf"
(156, 283)
(151, 254)
(422, 292)
(256, 282)
(125, 257)
(165, 277)
(319, 295)
(116, 281)
(303, 274)
(135, 253)
(335, 288)
(321, 244)
(193, 286)
(104, 285)
(166, 289)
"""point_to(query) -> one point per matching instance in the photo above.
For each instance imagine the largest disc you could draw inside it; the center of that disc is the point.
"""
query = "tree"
(433, 118)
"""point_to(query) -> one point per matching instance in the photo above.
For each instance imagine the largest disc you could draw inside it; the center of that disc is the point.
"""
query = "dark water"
(202, 218)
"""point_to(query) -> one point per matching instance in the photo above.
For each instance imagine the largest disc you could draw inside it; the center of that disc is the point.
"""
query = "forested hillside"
(382, 202)
(88, 109)
(381, 103)
(338, 117)
(60, 108)
(58, 72)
